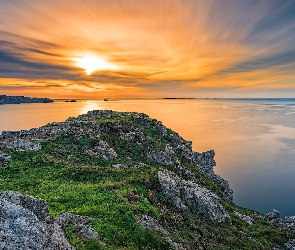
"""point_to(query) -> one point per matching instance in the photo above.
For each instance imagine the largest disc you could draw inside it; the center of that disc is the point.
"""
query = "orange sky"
(147, 49)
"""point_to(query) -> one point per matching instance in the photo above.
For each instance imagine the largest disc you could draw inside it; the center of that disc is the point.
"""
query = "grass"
(71, 181)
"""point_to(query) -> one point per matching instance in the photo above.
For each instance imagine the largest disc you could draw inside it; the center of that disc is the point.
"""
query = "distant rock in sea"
(4, 99)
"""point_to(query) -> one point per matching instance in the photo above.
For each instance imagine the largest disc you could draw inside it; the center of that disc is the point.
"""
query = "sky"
(96, 49)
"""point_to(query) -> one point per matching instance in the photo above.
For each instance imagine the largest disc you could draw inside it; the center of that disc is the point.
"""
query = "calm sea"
(254, 139)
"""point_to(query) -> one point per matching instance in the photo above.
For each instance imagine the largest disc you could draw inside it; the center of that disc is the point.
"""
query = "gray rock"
(102, 150)
(4, 157)
(67, 218)
(246, 218)
(185, 193)
(24, 145)
(88, 232)
(289, 223)
(81, 222)
(160, 157)
(37, 206)
(273, 216)
(119, 166)
(149, 222)
(21, 228)
(290, 245)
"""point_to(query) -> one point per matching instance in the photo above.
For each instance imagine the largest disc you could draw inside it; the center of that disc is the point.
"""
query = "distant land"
(185, 98)
(4, 99)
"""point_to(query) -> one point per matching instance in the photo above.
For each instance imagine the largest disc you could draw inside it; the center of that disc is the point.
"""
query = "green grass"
(71, 181)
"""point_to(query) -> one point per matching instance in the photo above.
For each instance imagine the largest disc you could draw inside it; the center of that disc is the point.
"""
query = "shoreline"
(4, 99)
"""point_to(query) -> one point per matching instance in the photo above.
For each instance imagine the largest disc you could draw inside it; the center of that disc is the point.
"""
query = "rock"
(81, 222)
(37, 206)
(4, 159)
(149, 222)
(160, 157)
(290, 245)
(289, 223)
(67, 218)
(24, 145)
(205, 161)
(273, 216)
(119, 166)
(246, 218)
(184, 193)
(20, 228)
(102, 150)
(88, 232)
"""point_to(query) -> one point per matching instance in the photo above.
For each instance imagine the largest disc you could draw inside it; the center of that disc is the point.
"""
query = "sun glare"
(91, 63)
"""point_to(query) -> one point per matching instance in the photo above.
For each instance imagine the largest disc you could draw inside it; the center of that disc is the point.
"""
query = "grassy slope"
(72, 182)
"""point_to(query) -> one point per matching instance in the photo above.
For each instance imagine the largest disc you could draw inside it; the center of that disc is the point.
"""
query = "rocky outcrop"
(22, 145)
(24, 224)
(289, 223)
(81, 222)
(274, 216)
(4, 99)
(246, 218)
(187, 193)
(4, 159)
(149, 222)
(102, 150)
(290, 245)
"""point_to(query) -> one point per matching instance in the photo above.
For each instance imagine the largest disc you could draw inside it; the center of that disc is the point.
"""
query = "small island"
(4, 99)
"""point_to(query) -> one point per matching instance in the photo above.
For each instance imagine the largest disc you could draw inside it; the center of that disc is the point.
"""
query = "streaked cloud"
(178, 47)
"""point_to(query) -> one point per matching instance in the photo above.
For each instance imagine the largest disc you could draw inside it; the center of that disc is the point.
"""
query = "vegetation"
(114, 199)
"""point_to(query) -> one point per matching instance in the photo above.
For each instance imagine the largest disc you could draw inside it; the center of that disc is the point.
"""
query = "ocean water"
(254, 139)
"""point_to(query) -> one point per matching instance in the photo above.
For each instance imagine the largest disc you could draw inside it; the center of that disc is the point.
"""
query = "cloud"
(175, 45)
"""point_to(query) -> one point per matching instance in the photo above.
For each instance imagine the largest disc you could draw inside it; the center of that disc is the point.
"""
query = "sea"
(253, 139)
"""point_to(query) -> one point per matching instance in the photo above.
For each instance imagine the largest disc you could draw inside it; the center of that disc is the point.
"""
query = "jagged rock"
(88, 232)
(102, 150)
(273, 216)
(227, 192)
(185, 193)
(290, 245)
(24, 145)
(161, 157)
(289, 223)
(149, 222)
(81, 222)
(21, 229)
(206, 162)
(119, 166)
(37, 206)
(4, 159)
(67, 218)
(244, 217)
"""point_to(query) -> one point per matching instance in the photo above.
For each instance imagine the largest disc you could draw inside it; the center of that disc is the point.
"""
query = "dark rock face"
(22, 99)
(184, 193)
(24, 224)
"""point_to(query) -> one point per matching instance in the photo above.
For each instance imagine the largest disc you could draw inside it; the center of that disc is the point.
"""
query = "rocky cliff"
(110, 180)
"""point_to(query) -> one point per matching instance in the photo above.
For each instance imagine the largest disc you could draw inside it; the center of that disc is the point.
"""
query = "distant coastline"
(4, 99)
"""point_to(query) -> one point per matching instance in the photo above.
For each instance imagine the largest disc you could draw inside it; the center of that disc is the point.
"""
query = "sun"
(91, 63)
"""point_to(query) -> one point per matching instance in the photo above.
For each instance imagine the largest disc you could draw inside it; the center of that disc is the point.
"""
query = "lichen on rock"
(187, 193)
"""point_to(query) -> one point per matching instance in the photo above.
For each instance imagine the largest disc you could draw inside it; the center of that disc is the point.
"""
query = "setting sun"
(91, 63)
